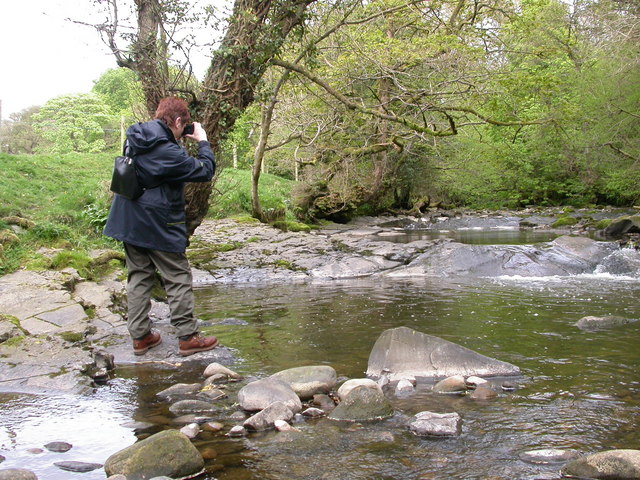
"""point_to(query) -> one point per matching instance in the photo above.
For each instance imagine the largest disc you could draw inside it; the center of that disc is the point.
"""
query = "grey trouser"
(176, 273)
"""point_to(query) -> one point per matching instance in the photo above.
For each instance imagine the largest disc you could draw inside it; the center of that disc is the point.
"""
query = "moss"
(72, 337)
(14, 341)
(10, 318)
(564, 222)
(602, 224)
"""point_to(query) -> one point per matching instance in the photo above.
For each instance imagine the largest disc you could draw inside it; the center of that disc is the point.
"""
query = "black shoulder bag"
(124, 181)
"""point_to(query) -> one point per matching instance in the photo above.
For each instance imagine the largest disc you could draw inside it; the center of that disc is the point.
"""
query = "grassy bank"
(53, 208)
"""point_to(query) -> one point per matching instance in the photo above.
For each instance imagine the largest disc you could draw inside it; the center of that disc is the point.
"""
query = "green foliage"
(120, 89)
(73, 123)
(234, 197)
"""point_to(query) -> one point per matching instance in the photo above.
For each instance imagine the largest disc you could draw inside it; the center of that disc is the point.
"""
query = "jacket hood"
(143, 137)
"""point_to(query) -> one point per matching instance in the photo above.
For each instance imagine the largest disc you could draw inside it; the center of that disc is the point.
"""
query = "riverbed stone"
(548, 455)
(592, 323)
(266, 418)
(191, 430)
(455, 384)
(362, 404)
(402, 352)
(58, 447)
(260, 394)
(78, 467)
(483, 392)
(621, 464)
(324, 402)
(183, 407)
(352, 383)
(435, 424)
(178, 390)
(216, 369)
(168, 453)
(474, 381)
(17, 474)
(309, 380)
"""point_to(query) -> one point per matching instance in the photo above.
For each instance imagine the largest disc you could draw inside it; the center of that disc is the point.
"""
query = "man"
(153, 227)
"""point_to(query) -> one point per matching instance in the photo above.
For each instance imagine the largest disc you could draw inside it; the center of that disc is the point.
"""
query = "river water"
(579, 390)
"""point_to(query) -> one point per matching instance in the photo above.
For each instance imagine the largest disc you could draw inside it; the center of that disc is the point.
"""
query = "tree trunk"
(256, 33)
(150, 53)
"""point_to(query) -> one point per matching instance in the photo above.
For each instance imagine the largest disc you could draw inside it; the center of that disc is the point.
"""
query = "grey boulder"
(260, 394)
(402, 352)
(436, 424)
(308, 381)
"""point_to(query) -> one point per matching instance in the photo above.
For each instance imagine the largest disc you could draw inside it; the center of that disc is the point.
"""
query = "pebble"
(78, 467)
(192, 430)
(237, 431)
(59, 447)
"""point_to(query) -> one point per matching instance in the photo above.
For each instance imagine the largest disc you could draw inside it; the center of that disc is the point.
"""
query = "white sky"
(43, 55)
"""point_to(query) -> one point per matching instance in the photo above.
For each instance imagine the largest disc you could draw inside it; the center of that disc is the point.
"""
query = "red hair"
(171, 108)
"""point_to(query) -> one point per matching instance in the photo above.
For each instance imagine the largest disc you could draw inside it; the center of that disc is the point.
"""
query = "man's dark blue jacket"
(157, 219)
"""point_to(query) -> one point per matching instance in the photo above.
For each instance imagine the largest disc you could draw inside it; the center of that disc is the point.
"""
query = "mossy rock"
(564, 222)
(7, 237)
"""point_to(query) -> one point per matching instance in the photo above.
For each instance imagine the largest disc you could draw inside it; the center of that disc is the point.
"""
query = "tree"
(18, 135)
(121, 90)
(73, 123)
(255, 34)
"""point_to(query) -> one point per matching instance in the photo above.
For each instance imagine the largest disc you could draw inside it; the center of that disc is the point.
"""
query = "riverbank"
(63, 333)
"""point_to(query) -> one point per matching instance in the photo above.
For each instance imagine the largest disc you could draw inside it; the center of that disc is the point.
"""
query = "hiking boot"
(150, 340)
(196, 343)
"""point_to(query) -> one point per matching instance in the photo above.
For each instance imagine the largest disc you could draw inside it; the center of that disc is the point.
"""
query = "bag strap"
(126, 149)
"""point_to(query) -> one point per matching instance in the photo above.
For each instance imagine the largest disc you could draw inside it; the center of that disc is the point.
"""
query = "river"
(579, 390)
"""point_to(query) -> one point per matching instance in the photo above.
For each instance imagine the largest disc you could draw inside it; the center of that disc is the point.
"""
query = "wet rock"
(191, 406)
(237, 431)
(17, 474)
(560, 257)
(473, 382)
(548, 455)
(104, 359)
(217, 378)
(58, 447)
(435, 424)
(310, 380)
(217, 369)
(313, 412)
(508, 386)
(168, 453)
(178, 390)
(283, 426)
(591, 323)
(454, 384)
(362, 404)
(260, 394)
(78, 467)
(622, 262)
(266, 418)
(324, 402)
(402, 352)
(622, 225)
(404, 386)
(191, 418)
(483, 392)
(212, 426)
(190, 431)
(349, 385)
(611, 464)
(212, 394)
(117, 477)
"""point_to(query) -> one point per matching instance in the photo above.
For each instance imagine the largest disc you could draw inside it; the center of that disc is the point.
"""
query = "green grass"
(64, 200)
(61, 202)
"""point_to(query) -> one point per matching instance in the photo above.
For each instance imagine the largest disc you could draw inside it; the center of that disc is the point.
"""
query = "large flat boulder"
(403, 353)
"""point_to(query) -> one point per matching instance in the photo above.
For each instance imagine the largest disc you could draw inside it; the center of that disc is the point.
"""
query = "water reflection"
(579, 390)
